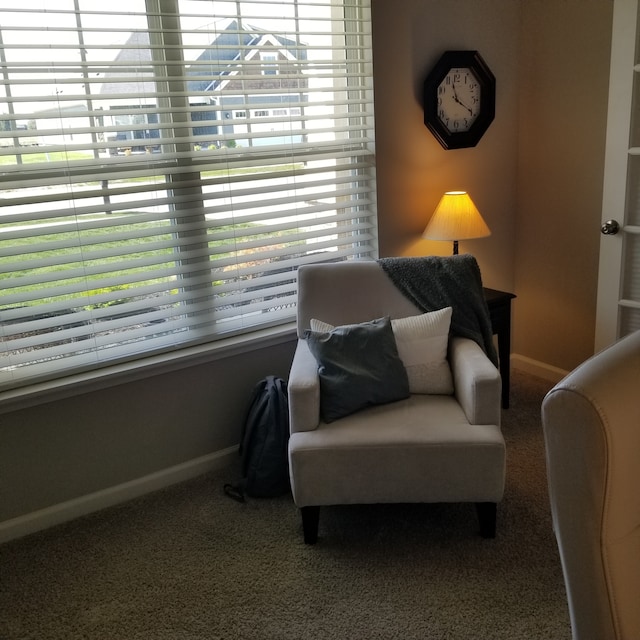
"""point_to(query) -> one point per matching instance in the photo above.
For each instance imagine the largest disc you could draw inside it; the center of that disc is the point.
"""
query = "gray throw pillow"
(358, 366)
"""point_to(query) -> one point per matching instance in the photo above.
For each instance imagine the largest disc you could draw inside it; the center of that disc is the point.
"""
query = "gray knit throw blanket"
(435, 282)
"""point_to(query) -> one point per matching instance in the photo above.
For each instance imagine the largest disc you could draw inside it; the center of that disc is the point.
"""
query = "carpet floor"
(188, 563)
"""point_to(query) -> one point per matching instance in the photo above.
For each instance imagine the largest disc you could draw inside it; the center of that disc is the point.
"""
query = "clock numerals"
(459, 124)
(458, 99)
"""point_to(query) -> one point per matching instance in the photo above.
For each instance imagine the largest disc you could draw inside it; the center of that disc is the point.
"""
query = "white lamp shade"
(456, 218)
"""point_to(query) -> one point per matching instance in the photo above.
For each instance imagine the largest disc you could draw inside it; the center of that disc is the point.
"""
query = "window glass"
(158, 189)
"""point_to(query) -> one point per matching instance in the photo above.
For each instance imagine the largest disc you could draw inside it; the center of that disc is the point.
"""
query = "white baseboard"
(65, 511)
(537, 368)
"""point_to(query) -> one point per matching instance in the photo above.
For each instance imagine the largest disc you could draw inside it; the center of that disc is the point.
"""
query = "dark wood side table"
(499, 303)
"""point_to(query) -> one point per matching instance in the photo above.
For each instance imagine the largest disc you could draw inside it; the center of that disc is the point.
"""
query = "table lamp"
(456, 218)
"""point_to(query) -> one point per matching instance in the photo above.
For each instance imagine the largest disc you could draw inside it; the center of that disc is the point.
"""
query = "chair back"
(591, 423)
(348, 293)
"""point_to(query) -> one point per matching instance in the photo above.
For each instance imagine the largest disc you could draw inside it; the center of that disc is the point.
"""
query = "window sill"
(145, 368)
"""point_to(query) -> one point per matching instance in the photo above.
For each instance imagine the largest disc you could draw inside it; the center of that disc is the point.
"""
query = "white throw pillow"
(422, 346)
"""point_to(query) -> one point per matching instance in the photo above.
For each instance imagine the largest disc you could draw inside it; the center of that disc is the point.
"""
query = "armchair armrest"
(476, 382)
(304, 390)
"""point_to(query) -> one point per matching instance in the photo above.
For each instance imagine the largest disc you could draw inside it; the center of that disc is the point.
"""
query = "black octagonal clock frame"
(432, 116)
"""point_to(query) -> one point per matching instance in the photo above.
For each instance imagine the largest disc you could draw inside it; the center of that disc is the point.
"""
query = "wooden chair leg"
(310, 519)
(487, 518)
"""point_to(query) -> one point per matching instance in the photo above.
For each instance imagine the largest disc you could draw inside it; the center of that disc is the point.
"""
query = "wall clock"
(459, 99)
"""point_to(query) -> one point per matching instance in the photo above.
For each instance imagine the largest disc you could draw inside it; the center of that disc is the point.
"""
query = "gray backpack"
(264, 443)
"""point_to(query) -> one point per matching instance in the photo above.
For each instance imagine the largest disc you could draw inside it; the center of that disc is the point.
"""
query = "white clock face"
(459, 99)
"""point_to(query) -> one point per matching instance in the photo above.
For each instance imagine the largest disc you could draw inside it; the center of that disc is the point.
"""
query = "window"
(137, 215)
(269, 64)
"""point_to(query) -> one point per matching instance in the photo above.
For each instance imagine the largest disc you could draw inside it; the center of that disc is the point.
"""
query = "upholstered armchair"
(591, 423)
(412, 418)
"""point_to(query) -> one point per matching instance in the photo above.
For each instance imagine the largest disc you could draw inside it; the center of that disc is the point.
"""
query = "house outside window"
(158, 188)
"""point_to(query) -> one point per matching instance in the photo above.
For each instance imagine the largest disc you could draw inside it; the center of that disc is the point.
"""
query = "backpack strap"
(235, 491)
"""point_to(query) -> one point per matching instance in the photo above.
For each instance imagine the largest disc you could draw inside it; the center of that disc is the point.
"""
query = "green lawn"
(54, 156)
(78, 253)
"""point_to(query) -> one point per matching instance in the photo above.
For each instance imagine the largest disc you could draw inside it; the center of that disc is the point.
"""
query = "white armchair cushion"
(422, 346)
(421, 449)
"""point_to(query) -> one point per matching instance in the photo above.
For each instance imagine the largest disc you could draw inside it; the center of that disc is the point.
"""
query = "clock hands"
(455, 97)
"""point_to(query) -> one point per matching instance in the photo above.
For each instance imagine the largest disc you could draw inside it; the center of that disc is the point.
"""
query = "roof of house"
(228, 46)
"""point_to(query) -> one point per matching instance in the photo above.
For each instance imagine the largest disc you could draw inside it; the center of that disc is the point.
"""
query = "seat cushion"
(421, 449)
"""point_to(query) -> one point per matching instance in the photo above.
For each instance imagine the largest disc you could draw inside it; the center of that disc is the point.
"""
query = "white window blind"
(165, 167)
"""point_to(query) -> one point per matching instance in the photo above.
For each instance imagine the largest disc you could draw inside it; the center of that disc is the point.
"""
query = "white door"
(618, 307)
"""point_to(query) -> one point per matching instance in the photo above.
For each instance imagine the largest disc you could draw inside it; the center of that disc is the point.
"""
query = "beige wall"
(536, 175)
(413, 169)
(563, 107)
